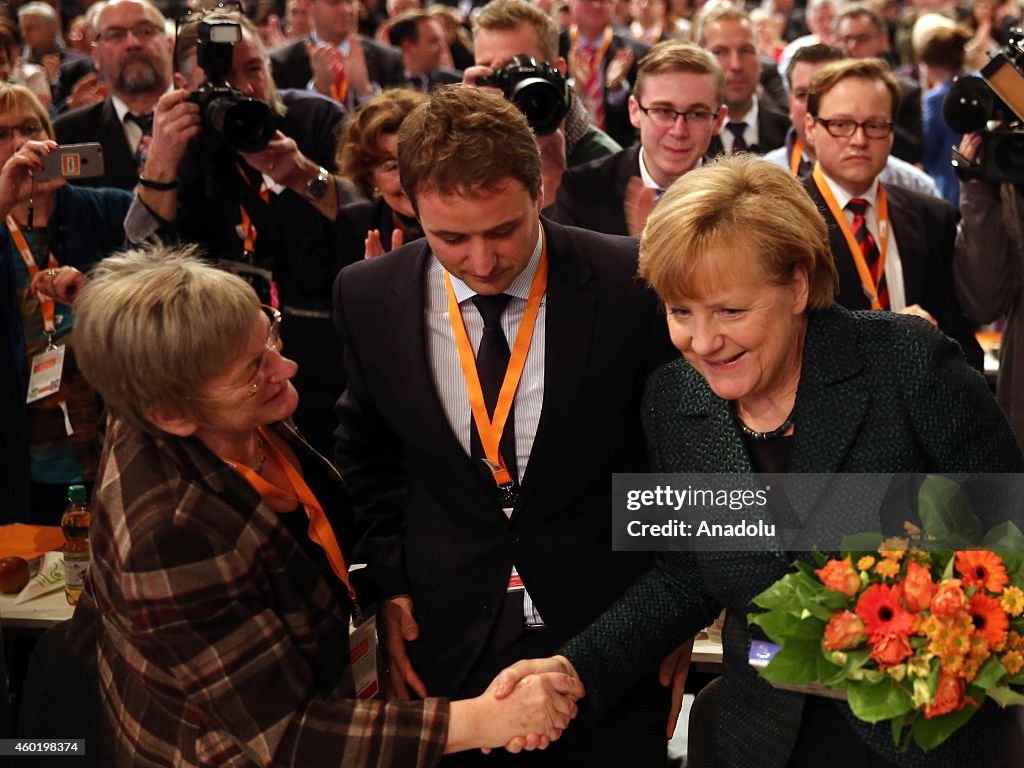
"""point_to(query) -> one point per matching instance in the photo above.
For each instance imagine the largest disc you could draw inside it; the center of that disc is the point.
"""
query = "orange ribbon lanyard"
(249, 232)
(882, 207)
(320, 530)
(490, 431)
(47, 306)
(599, 56)
(796, 157)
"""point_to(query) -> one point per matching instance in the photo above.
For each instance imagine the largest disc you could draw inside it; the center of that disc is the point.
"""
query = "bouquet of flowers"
(918, 631)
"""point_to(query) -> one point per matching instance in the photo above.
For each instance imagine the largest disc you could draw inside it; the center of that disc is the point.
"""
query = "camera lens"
(246, 124)
(541, 102)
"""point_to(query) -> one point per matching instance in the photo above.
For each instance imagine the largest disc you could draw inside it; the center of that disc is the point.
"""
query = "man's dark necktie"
(491, 363)
(145, 122)
(872, 257)
(739, 144)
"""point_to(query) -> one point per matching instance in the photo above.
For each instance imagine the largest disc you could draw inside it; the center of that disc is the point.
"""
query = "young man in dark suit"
(893, 248)
(132, 54)
(750, 125)
(420, 38)
(334, 60)
(677, 106)
(494, 375)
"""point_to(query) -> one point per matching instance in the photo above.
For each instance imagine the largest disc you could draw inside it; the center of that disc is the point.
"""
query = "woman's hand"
(58, 283)
(16, 182)
(375, 248)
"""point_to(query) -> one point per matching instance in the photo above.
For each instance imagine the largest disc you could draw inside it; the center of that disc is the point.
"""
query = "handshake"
(527, 706)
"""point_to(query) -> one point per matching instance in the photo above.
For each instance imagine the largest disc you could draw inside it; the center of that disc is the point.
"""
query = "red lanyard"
(320, 530)
(490, 431)
(46, 305)
(882, 208)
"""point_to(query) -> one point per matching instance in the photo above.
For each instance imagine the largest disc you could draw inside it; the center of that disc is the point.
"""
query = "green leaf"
(779, 595)
(1005, 537)
(946, 512)
(795, 663)
(866, 543)
(928, 734)
(782, 625)
(1005, 696)
(991, 672)
(873, 703)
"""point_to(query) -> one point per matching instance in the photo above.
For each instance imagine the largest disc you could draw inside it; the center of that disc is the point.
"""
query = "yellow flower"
(893, 549)
(919, 665)
(865, 563)
(888, 568)
(1014, 662)
(1012, 601)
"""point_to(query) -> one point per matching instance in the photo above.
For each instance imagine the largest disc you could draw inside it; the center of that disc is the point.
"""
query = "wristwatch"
(316, 187)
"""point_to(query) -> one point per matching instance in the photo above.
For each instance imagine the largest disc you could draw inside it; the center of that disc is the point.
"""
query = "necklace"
(261, 447)
(753, 434)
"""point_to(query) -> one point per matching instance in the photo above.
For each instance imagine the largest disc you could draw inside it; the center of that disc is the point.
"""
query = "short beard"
(135, 80)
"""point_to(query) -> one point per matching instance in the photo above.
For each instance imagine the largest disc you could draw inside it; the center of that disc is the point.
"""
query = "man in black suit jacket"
(862, 32)
(420, 38)
(750, 125)
(616, 66)
(912, 233)
(137, 69)
(334, 48)
(677, 107)
(268, 215)
(479, 562)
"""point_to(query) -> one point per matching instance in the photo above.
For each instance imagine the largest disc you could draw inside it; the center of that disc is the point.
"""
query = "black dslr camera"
(537, 89)
(972, 102)
(246, 124)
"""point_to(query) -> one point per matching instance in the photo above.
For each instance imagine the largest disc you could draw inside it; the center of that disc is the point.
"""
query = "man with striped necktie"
(893, 247)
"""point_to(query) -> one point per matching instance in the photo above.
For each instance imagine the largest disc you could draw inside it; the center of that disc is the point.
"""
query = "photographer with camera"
(515, 45)
(989, 268)
(246, 171)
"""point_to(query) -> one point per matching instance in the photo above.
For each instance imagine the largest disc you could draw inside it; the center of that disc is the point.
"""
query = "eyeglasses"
(844, 129)
(27, 130)
(143, 32)
(272, 344)
(665, 117)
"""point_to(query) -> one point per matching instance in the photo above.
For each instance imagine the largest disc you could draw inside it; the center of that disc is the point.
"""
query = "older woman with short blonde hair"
(219, 599)
(775, 377)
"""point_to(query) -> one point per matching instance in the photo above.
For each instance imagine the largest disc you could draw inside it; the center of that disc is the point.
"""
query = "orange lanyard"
(882, 207)
(796, 157)
(46, 305)
(490, 431)
(249, 232)
(320, 530)
(599, 56)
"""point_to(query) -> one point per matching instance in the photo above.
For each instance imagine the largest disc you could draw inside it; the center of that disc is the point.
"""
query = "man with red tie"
(893, 247)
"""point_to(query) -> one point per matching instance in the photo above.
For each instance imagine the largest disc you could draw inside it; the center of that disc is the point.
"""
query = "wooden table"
(39, 614)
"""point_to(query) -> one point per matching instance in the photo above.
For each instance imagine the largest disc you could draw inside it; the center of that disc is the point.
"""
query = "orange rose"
(839, 576)
(918, 588)
(949, 598)
(844, 631)
(949, 696)
(891, 650)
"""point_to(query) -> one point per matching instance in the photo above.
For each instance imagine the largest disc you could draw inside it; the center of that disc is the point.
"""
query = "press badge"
(44, 379)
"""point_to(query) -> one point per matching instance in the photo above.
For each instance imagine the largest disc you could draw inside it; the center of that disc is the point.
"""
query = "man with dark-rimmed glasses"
(677, 108)
(893, 247)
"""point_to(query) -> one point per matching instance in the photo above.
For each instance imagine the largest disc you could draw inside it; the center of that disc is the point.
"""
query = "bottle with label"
(75, 525)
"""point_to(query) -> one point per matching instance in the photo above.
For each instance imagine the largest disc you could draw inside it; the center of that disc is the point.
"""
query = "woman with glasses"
(219, 598)
(49, 230)
(367, 156)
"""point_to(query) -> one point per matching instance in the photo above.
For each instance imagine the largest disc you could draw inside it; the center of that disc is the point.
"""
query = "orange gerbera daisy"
(880, 609)
(989, 619)
(978, 567)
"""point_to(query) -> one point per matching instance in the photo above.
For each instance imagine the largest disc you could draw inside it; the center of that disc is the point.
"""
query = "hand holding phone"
(71, 162)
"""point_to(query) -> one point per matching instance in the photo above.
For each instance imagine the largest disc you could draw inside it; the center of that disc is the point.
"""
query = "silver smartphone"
(73, 161)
